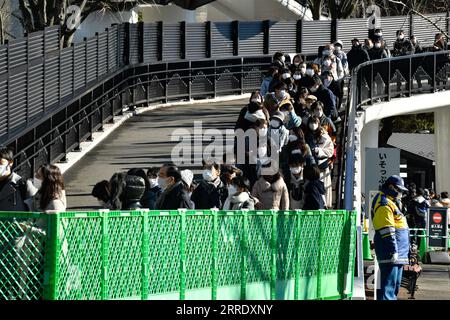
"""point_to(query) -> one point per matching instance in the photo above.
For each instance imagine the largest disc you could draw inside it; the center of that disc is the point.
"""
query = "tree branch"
(422, 16)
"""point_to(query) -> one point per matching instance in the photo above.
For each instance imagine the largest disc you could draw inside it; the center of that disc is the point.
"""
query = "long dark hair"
(140, 173)
(52, 184)
(117, 183)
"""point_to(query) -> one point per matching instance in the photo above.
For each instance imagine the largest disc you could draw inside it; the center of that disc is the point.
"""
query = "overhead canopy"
(185, 4)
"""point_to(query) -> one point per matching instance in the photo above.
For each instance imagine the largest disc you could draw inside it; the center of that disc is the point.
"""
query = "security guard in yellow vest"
(391, 237)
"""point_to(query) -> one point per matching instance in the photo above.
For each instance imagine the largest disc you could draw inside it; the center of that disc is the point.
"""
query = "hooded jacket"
(273, 196)
(391, 230)
(209, 195)
(244, 200)
(421, 206)
(14, 194)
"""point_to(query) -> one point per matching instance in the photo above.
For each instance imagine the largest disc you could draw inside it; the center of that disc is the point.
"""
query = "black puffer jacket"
(134, 190)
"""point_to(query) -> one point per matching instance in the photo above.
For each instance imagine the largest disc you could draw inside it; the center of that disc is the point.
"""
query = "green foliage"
(414, 123)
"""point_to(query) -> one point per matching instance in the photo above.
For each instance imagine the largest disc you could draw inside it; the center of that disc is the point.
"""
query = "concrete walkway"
(141, 142)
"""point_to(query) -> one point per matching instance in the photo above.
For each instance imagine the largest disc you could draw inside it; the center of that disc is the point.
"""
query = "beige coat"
(273, 196)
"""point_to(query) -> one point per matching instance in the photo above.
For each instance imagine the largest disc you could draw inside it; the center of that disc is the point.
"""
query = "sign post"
(437, 228)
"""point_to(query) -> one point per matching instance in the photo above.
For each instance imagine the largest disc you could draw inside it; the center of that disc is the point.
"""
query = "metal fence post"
(297, 255)
(273, 264)
(299, 36)
(126, 40)
(244, 256)
(145, 254)
(51, 264)
(183, 40)
(141, 42)
(266, 30)
(208, 40)
(215, 235)
(160, 40)
(182, 270)
(321, 254)
(334, 24)
(105, 254)
(235, 37)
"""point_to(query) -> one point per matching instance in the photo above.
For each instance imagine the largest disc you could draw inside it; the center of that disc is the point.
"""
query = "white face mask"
(338, 50)
(263, 132)
(401, 37)
(297, 76)
(326, 53)
(208, 175)
(327, 63)
(283, 59)
(275, 124)
(313, 126)
(232, 190)
(296, 64)
(296, 170)
(379, 34)
(37, 183)
(309, 72)
(378, 45)
(163, 183)
(256, 100)
(293, 138)
(318, 113)
(153, 183)
(4, 170)
(283, 94)
(285, 76)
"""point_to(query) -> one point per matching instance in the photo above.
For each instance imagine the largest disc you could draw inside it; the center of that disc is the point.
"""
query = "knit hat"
(278, 115)
(187, 176)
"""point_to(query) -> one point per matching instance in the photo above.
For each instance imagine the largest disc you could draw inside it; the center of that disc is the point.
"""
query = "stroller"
(411, 271)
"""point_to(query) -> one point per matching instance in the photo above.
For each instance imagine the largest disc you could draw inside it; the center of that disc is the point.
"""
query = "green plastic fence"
(177, 255)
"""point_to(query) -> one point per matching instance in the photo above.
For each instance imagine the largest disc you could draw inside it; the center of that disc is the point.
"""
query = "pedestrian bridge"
(56, 120)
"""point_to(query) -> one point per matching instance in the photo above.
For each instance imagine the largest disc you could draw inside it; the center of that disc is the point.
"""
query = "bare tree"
(5, 14)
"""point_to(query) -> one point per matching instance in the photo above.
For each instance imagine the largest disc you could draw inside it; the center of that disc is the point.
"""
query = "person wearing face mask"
(338, 52)
(402, 46)
(279, 60)
(325, 96)
(296, 182)
(322, 148)
(378, 51)
(187, 178)
(287, 79)
(356, 55)
(174, 195)
(271, 190)
(102, 191)
(278, 135)
(325, 122)
(239, 196)
(155, 190)
(211, 191)
(336, 87)
(391, 237)
(296, 63)
(309, 73)
(252, 112)
(15, 192)
(291, 120)
(271, 74)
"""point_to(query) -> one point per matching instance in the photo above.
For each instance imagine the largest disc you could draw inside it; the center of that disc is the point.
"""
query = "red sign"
(437, 218)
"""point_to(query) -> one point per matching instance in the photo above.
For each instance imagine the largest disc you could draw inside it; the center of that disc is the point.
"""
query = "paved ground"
(433, 283)
(142, 142)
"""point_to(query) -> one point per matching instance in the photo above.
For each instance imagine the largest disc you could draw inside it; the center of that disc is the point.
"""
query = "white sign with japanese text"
(381, 163)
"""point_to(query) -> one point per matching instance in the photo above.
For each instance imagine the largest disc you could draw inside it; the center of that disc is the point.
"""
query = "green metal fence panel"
(177, 255)
(22, 254)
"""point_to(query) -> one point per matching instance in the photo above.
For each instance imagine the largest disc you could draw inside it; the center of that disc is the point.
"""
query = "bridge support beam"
(369, 139)
(442, 134)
